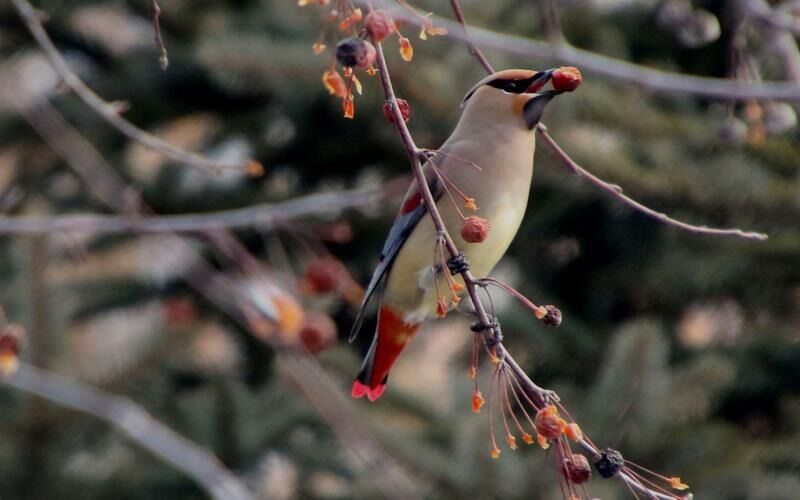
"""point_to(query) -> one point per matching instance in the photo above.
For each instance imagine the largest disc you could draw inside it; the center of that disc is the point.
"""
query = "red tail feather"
(393, 335)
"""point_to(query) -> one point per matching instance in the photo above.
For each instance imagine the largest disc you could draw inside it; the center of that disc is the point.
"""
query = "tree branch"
(263, 216)
(106, 110)
(130, 418)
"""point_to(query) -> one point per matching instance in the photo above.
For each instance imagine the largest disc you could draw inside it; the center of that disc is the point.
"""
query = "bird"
(488, 159)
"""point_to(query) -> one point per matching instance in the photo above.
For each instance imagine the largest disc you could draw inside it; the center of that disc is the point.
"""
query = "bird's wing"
(411, 213)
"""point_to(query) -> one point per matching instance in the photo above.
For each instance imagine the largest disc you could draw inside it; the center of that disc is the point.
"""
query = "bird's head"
(510, 96)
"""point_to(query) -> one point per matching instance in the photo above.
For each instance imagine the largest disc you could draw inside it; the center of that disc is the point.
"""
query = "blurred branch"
(263, 216)
(641, 76)
(774, 17)
(616, 192)
(163, 59)
(106, 110)
(137, 424)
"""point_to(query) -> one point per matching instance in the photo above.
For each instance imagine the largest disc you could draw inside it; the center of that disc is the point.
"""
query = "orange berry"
(349, 107)
(512, 442)
(496, 452)
(676, 483)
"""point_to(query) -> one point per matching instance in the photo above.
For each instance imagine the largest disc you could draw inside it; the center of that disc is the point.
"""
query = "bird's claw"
(458, 264)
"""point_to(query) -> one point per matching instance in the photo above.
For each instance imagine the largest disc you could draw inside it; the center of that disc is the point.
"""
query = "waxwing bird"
(488, 158)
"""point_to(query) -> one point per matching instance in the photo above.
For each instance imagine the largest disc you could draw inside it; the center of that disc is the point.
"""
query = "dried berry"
(354, 51)
(549, 315)
(318, 332)
(379, 25)
(609, 463)
(325, 275)
(334, 83)
(577, 469)
(405, 110)
(477, 401)
(406, 50)
(475, 229)
(548, 423)
(566, 78)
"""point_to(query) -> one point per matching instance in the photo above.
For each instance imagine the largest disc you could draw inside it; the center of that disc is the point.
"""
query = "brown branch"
(106, 110)
(652, 79)
(130, 418)
(615, 192)
(263, 216)
(775, 18)
(163, 59)
(475, 51)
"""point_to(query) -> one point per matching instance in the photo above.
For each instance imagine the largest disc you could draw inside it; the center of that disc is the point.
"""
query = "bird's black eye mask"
(517, 86)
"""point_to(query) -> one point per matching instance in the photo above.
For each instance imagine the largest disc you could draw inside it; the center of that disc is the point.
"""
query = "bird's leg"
(492, 325)
(458, 264)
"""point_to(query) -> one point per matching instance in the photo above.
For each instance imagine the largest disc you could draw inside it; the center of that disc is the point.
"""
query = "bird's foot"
(492, 325)
(458, 264)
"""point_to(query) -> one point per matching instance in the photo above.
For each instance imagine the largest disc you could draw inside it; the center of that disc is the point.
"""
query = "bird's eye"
(511, 86)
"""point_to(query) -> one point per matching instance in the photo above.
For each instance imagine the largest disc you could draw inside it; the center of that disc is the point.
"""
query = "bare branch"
(106, 110)
(263, 216)
(163, 59)
(615, 192)
(774, 17)
(130, 418)
(615, 69)
(475, 51)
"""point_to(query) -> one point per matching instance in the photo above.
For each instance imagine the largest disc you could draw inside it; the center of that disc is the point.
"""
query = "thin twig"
(263, 216)
(130, 418)
(475, 51)
(163, 59)
(615, 69)
(614, 192)
(776, 18)
(106, 110)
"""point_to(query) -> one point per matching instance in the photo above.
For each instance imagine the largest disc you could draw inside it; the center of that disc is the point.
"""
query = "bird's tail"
(391, 338)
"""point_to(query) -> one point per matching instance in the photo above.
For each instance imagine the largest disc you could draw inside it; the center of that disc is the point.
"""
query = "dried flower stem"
(106, 110)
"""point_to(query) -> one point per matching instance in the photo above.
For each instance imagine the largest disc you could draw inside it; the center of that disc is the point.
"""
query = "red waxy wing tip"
(360, 390)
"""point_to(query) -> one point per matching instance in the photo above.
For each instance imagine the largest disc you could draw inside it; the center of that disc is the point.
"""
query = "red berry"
(475, 229)
(405, 110)
(318, 332)
(577, 469)
(566, 78)
(379, 25)
(325, 275)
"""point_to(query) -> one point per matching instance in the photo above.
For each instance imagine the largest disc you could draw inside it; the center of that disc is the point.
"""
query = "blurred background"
(680, 350)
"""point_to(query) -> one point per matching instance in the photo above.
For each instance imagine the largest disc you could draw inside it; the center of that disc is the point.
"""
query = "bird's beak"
(534, 109)
(539, 81)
